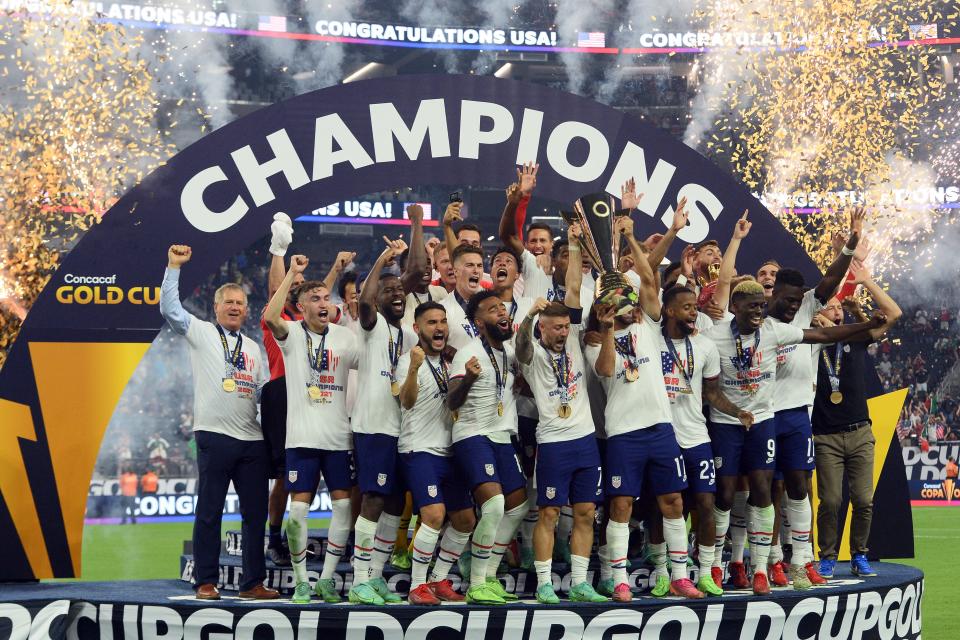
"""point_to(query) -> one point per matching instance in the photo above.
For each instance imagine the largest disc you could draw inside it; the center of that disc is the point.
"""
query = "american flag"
(923, 31)
(272, 23)
(666, 363)
(591, 39)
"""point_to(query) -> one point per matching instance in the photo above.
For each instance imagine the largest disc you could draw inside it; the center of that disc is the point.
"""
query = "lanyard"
(441, 375)
(472, 332)
(624, 346)
(561, 371)
(233, 359)
(556, 293)
(417, 298)
(501, 375)
(317, 361)
(513, 310)
(833, 368)
(675, 357)
(742, 362)
(394, 349)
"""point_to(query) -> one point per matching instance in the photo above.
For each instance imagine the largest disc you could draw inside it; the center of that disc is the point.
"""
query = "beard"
(496, 332)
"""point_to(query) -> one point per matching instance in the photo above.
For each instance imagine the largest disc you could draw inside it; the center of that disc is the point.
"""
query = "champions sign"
(220, 194)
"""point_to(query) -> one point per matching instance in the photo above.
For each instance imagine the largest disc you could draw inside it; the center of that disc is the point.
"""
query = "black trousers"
(220, 460)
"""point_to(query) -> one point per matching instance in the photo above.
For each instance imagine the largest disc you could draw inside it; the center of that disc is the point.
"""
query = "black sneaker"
(280, 556)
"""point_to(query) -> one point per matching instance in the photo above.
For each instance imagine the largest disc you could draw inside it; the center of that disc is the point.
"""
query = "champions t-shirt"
(753, 388)
(426, 426)
(320, 423)
(377, 410)
(414, 300)
(478, 414)
(557, 379)
(642, 403)
(231, 413)
(461, 330)
(796, 376)
(686, 396)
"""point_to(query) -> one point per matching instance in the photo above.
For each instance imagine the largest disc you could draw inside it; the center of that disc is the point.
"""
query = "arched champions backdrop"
(83, 338)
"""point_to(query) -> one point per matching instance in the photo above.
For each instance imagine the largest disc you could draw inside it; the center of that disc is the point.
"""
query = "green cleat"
(546, 595)
(326, 590)
(380, 586)
(708, 586)
(401, 559)
(364, 594)
(801, 582)
(483, 594)
(302, 593)
(497, 588)
(605, 587)
(662, 587)
(584, 592)
(526, 559)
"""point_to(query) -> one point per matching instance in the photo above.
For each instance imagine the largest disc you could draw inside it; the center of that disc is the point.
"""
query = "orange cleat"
(423, 595)
(738, 575)
(777, 575)
(717, 574)
(443, 590)
(814, 575)
(760, 585)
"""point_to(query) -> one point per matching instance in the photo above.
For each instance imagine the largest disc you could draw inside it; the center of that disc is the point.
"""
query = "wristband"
(847, 252)
(681, 280)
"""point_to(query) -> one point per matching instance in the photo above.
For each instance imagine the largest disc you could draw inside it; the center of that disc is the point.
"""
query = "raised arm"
(885, 304)
(170, 307)
(277, 325)
(607, 360)
(281, 235)
(417, 255)
(524, 342)
(728, 264)
(648, 294)
(367, 300)
(340, 264)
(451, 215)
(574, 275)
(835, 273)
(714, 395)
(856, 331)
(459, 387)
(659, 251)
(411, 386)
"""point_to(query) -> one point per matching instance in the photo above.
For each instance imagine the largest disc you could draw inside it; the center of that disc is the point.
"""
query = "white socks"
(451, 546)
(658, 556)
(706, 559)
(578, 570)
(799, 514)
(363, 534)
(297, 539)
(484, 536)
(606, 573)
(386, 537)
(337, 536)
(675, 536)
(543, 569)
(506, 533)
(761, 533)
(618, 534)
(738, 525)
(424, 544)
(722, 520)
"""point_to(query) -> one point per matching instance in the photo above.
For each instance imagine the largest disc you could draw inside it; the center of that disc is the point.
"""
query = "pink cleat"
(685, 589)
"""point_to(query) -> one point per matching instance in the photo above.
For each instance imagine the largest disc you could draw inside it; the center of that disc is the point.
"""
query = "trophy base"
(613, 288)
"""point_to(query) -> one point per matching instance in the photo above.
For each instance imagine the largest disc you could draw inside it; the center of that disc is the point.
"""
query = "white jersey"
(434, 294)
(462, 331)
(377, 409)
(753, 388)
(426, 426)
(537, 284)
(796, 377)
(642, 403)
(518, 310)
(319, 422)
(478, 414)
(560, 380)
(231, 413)
(685, 390)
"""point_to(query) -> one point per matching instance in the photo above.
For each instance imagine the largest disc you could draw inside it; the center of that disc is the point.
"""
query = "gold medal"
(229, 385)
(395, 388)
(836, 397)
(456, 415)
(314, 392)
(500, 408)
(564, 411)
(631, 374)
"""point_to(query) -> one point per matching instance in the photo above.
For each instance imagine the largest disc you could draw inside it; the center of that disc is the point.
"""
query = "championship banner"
(93, 322)
(931, 477)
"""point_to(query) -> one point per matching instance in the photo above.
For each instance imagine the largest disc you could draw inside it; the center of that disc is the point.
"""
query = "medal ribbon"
(675, 357)
(556, 293)
(441, 374)
(561, 371)
(463, 305)
(393, 351)
(742, 362)
(624, 346)
(501, 377)
(232, 359)
(833, 368)
(317, 359)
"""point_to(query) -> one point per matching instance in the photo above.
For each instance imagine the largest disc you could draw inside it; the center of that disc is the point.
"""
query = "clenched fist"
(178, 255)
(416, 357)
(473, 368)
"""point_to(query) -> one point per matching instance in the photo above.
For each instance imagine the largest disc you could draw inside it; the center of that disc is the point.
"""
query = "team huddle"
(515, 401)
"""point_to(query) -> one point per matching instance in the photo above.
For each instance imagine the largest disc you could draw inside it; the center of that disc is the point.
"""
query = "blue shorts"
(482, 460)
(378, 463)
(701, 472)
(794, 440)
(737, 451)
(649, 455)
(433, 479)
(569, 472)
(304, 467)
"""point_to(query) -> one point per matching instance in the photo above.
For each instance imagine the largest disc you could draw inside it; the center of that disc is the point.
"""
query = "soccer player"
(227, 373)
(568, 461)
(468, 267)
(417, 268)
(641, 445)
(483, 400)
(431, 475)
(791, 304)
(317, 356)
(748, 362)
(446, 277)
(376, 428)
(691, 370)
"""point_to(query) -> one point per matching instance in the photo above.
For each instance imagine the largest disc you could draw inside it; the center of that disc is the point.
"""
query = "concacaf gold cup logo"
(87, 289)
(946, 490)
